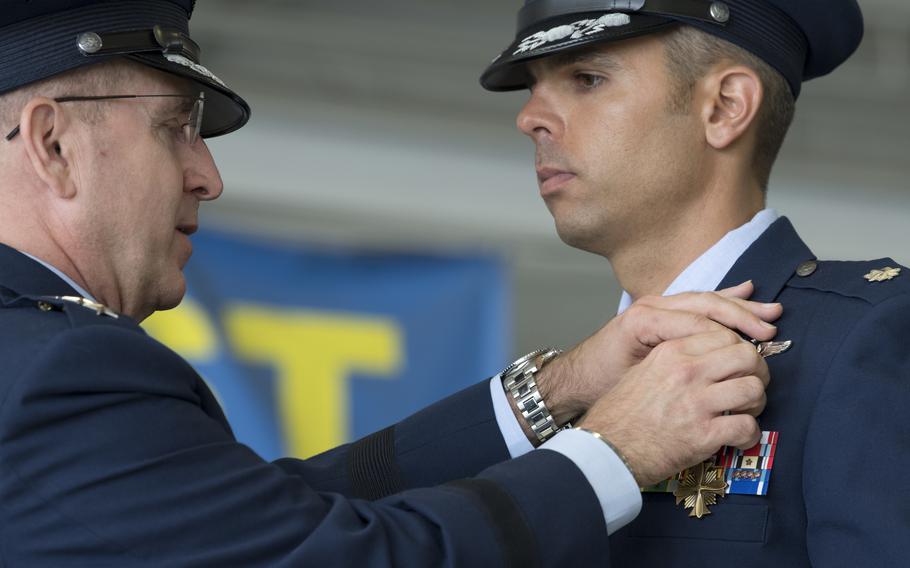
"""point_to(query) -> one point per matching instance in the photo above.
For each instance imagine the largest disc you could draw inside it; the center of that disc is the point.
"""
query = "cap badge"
(181, 60)
(577, 30)
(883, 274)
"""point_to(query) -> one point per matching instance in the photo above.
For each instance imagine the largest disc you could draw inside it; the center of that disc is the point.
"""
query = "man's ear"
(42, 126)
(732, 97)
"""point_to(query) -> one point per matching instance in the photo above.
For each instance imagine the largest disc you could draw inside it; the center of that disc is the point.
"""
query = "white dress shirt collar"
(63, 277)
(708, 270)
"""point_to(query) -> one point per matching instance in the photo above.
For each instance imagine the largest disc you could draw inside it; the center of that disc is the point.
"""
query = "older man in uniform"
(114, 453)
(656, 124)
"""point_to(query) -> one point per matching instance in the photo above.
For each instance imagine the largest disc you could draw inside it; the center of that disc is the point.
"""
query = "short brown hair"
(692, 52)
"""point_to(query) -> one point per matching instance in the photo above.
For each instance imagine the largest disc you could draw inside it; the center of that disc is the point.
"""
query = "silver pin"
(720, 12)
(89, 43)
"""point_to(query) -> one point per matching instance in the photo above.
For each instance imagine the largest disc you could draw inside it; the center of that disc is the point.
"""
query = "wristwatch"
(518, 379)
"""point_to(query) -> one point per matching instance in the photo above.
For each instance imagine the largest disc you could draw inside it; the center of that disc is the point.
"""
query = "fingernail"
(775, 305)
(746, 282)
(768, 325)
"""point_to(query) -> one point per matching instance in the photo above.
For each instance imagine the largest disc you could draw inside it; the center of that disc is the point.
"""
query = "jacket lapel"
(770, 262)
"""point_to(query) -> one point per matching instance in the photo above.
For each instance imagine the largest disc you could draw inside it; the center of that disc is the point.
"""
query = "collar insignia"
(100, 309)
(883, 274)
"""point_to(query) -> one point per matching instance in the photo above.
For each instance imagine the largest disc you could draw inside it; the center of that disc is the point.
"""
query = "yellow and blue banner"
(307, 348)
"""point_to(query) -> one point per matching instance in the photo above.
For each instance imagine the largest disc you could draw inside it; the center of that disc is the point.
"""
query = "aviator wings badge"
(772, 348)
(699, 487)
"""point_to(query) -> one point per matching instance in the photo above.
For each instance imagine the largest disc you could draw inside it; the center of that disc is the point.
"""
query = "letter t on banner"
(313, 354)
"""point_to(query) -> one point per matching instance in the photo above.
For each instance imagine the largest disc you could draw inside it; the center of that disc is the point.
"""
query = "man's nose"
(538, 118)
(201, 176)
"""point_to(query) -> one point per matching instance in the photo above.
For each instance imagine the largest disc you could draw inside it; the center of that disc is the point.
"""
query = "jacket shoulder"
(872, 281)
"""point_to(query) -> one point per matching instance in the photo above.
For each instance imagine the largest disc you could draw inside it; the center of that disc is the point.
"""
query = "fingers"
(737, 430)
(740, 395)
(755, 410)
(702, 344)
(721, 361)
(726, 308)
(766, 312)
(653, 326)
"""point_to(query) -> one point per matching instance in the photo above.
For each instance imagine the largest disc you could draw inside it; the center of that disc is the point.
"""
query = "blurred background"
(371, 136)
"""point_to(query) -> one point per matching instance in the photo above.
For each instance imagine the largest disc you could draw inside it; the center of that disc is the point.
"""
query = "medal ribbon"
(747, 472)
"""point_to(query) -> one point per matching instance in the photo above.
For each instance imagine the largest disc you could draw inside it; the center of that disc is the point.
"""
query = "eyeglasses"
(190, 129)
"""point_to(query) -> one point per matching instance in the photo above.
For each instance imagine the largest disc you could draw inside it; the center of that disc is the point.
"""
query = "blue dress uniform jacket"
(838, 493)
(113, 452)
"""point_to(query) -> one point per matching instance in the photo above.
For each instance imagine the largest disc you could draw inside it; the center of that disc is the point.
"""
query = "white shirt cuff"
(619, 495)
(514, 437)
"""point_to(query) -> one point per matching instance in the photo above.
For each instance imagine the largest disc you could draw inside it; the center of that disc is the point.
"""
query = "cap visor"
(225, 111)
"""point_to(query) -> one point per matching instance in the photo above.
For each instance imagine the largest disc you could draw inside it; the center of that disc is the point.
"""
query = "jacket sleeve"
(110, 455)
(859, 444)
(454, 438)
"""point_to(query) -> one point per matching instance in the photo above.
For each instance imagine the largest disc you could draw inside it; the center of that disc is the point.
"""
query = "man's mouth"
(551, 179)
(187, 229)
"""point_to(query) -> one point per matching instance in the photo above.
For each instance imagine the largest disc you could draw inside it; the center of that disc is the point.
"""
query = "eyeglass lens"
(193, 127)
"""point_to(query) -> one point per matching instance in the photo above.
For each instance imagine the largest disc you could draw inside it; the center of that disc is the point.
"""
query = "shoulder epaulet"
(873, 280)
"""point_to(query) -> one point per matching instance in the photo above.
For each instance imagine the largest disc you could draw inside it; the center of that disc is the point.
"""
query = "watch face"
(529, 358)
(519, 362)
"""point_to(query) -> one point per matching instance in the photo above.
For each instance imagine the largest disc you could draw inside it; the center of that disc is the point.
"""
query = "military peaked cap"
(801, 39)
(41, 39)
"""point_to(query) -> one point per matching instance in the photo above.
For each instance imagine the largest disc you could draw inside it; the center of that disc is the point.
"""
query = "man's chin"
(579, 237)
(171, 297)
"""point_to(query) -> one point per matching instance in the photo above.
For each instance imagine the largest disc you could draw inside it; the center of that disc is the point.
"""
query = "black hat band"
(156, 40)
(708, 11)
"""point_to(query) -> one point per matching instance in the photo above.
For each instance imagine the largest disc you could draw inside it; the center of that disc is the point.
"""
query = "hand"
(668, 412)
(575, 380)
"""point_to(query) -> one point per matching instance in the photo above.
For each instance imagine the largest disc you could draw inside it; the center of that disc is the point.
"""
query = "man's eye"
(588, 81)
(174, 128)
